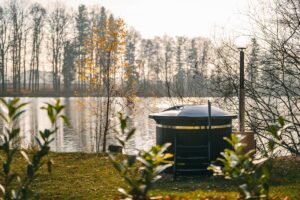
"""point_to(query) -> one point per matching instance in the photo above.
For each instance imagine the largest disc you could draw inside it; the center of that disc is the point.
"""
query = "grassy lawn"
(91, 176)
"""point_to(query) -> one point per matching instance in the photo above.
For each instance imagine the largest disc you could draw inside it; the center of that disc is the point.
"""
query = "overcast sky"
(174, 17)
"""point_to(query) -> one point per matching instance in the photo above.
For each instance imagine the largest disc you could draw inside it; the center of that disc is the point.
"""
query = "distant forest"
(56, 51)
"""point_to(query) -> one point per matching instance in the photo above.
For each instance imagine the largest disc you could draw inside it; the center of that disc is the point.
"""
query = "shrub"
(142, 170)
(250, 174)
(9, 148)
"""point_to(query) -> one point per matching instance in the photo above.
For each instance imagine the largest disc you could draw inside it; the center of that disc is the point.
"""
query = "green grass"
(91, 176)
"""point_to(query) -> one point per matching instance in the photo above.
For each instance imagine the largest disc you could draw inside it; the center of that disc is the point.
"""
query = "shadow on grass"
(192, 183)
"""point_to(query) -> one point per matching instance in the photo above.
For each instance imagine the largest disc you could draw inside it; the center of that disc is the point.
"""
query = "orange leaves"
(104, 51)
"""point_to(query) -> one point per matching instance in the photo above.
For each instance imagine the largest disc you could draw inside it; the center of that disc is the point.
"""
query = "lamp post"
(248, 136)
(242, 92)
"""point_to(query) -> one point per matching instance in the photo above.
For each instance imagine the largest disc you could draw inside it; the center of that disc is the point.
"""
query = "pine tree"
(270, 69)
(83, 30)
(101, 54)
(201, 71)
(131, 72)
(180, 77)
(253, 65)
(149, 65)
(193, 64)
(68, 66)
(157, 62)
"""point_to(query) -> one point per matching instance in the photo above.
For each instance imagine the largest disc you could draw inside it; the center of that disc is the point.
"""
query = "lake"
(80, 137)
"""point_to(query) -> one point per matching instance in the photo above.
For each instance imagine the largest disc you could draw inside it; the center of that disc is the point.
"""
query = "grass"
(91, 176)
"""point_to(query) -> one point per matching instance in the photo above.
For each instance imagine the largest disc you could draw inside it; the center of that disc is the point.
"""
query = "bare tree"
(17, 16)
(37, 13)
(4, 46)
(58, 26)
(277, 91)
(273, 87)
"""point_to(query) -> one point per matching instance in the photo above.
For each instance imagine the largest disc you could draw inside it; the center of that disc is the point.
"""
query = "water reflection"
(81, 136)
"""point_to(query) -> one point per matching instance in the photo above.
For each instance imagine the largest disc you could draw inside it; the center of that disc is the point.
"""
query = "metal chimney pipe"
(209, 114)
(242, 93)
(209, 129)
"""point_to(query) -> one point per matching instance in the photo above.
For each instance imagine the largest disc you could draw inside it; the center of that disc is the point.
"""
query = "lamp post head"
(241, 42)
(241, 48)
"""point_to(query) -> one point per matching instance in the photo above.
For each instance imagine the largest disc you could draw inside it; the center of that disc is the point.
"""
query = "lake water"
(80, 110)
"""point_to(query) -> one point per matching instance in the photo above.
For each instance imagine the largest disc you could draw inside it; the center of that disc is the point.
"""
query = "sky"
(190, 18)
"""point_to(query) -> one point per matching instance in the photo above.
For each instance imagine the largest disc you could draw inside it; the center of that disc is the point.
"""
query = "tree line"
(50, 52)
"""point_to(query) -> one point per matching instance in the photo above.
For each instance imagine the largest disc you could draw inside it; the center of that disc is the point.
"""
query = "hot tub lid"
(192, 111)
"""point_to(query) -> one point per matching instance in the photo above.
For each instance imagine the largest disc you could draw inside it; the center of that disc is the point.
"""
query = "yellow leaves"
(94, 80)
(126, 64)
(104, 52)
(82, 76)
(138, 65)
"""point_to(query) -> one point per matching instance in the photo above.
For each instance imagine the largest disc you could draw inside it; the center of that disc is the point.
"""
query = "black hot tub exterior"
(194, 142)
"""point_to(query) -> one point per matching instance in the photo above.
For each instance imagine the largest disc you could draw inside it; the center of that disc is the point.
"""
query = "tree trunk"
(108, 104)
